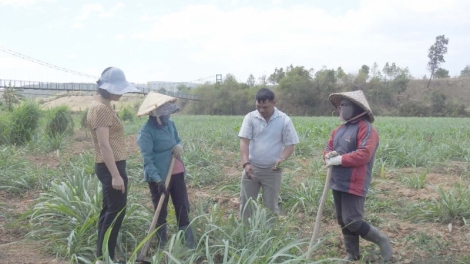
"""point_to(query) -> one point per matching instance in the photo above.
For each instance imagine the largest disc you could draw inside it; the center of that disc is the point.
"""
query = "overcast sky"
(178, 40)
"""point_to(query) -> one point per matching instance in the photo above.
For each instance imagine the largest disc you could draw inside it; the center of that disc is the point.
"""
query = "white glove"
(331, 154)
(334, 161)
(177, 151)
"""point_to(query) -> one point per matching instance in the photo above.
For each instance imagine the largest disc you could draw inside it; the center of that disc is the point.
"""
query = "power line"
(19, 55)
(46, 64)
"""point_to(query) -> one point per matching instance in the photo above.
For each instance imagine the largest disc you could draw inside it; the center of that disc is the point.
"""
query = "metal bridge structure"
(79, 87)
(16, 77)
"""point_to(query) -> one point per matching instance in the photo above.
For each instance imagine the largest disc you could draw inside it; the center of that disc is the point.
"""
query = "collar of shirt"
(105, 101)
(273, 116)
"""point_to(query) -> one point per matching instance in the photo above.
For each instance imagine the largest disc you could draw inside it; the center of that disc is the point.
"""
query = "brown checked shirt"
(101, 114)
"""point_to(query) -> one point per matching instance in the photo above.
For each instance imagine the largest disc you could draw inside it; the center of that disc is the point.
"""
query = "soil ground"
(13, 247)
(412, 242)
(81, 102)
(454, 238)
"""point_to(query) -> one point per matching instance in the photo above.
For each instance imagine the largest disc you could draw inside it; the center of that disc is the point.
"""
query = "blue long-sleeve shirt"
(155, 147)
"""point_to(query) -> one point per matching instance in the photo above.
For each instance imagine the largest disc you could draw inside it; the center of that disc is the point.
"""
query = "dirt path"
(14, 249)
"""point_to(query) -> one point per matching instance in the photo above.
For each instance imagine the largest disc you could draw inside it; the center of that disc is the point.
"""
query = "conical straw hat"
(356, 97)
(152, 101)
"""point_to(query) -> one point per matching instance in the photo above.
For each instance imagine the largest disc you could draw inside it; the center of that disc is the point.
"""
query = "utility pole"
(218, 78)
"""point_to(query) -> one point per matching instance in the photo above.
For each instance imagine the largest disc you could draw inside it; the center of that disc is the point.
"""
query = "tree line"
(303, 91)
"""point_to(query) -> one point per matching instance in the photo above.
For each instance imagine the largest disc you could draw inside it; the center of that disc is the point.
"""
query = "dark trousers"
(349, 213)
(114, 206)
(179, 197)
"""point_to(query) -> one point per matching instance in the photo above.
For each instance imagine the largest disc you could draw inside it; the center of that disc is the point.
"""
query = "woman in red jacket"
(350, 153)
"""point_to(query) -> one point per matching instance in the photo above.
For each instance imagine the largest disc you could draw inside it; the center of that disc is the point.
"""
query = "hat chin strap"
(159, 121)
(354, 118)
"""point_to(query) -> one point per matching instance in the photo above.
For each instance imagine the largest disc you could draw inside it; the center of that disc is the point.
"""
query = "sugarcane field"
(50, 198)
(234, 132)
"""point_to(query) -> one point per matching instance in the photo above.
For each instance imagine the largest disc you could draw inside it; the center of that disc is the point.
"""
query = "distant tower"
(218, 78)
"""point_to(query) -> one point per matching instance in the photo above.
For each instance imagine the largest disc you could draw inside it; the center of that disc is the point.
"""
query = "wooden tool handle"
(316, 229)
(146, 246)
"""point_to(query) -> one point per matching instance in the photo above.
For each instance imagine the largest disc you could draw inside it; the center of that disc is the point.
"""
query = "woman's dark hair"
(264, 94)
(105, 94)
(357, 109)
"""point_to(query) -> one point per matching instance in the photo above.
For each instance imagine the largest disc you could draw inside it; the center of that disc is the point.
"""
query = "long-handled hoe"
(145, 247)
(316, 229)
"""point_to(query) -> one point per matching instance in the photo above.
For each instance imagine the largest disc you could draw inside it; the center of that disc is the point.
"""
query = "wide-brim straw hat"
(152, 101)
(114, 81)
(356, 97)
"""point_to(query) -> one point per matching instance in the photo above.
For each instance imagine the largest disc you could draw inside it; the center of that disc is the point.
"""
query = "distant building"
(170, 86)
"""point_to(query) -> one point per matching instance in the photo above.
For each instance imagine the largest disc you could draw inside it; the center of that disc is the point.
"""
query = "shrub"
(40, 100)
(136, 105)
(83, 120)
(126, 114)
(455, 110)
(15, 176)
(438, 101)
(24, 122)
(51, 143)
(4, 127)
(410, 108)
(11, 96)
(59, 122)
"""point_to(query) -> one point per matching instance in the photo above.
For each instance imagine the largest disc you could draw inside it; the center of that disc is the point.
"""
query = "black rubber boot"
(382, 240)
(351, 243)
(188, 236)
(161, 236)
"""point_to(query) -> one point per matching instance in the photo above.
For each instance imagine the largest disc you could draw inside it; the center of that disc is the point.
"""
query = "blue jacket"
(155, 147)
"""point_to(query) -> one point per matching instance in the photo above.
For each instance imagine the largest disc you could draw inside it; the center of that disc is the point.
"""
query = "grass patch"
(415, 181)
(451, 205)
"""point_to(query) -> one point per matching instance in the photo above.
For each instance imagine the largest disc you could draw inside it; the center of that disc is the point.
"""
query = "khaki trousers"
(267, 180)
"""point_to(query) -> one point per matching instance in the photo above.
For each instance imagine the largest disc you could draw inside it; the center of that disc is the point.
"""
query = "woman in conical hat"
(350, 153)
(158, 141)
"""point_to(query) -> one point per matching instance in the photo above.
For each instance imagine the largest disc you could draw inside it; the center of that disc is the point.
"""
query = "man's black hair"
(264, 94)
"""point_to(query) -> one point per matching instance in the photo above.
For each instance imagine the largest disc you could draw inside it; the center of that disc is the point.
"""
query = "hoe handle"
(146, 246)
(316, 229)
